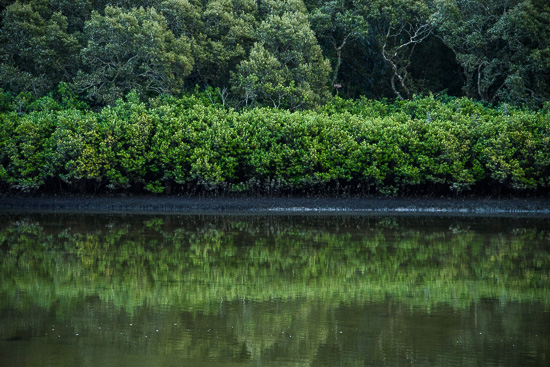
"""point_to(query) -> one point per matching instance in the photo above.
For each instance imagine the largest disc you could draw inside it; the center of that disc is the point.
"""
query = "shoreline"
(276, 205)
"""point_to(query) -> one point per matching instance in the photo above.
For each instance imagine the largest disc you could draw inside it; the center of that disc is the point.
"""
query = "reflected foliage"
(244, 289)
(194, 260)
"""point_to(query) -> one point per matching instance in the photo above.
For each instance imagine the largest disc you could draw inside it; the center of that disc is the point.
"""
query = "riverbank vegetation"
(189, 145)
(275, 97)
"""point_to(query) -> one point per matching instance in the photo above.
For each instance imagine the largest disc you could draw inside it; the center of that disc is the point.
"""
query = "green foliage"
(493, 42)
(128, 50)
(262, 78)
(292, 54)
(26, 149)
(35, 53)
(194, 145)
(6, 100)
(338, 23)
(230, 28)
(286, 68)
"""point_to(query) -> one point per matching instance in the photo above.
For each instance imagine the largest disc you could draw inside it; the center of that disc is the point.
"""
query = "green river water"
(273, 290)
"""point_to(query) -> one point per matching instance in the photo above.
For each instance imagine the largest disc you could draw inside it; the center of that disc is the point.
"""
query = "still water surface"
(279, 290)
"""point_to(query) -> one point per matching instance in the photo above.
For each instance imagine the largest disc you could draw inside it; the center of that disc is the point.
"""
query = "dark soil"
(180, 204)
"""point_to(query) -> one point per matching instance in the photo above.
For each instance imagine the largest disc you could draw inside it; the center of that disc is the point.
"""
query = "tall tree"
(230, 28)
(35, 53)
(525, 29)
(399, 27)
(184, 17)
(285, 39)
(132, 49)
(338, 24)
(263, 79)
(500, 46)
(77, 12)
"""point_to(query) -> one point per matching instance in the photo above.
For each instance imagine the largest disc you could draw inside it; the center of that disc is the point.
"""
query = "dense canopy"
(353, 97)
(289, 54)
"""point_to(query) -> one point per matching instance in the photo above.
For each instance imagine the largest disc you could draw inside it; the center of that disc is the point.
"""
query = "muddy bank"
(178, 204)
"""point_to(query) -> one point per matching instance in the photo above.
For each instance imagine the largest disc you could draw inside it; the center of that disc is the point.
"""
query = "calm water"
(280, 290)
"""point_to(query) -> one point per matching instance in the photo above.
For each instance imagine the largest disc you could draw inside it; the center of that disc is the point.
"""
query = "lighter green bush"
(353, 147)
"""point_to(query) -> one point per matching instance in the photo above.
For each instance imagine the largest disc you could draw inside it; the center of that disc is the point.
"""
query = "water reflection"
(274, 290)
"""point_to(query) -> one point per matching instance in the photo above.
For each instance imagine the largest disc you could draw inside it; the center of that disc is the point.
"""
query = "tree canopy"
(290, 54)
